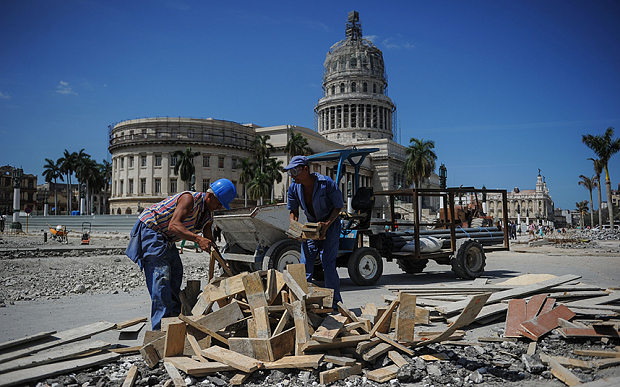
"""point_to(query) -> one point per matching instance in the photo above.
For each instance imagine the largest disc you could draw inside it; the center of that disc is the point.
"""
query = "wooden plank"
(150, 355)
(254, 292)
(572, 363)
(395, 344)
(604, 382)
(363, 346)
(126, 350)
(456, 307)
(531, 348)
(598, 353)
(302, 334)
(397, 358)
(271, 291)
(282, 344)
(22, 376)
(383, 325)
(195, 346)
(377, 351)
(282, 322)
(613, 297)
(299, 362)
(293, 286)
(132, 374)
(197, 368)
(385, 374)
(547, 306)
(479, 282)
(340, 342)
(405, 318)
(128, 323)
(239, 379)
(203, 329)
(61, 338)
(516, 315)
(202, 304)
(27, 339)
(259, 349)
(329, 329)
(67, 353)
(346, 312)
(339, 360)
(534, 305)
(605, 363)
(544, 323)
(340, 373)
(175, 340)
(594, 332)
(261, 322)
(226, 288)
(298, 272)
(560, 372)
(225, 356)
(174, 374)
(466, 317)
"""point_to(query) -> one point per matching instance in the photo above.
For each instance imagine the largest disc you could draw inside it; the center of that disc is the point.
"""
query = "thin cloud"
(4, 96)
(65, 88)
(372, 38)
(391, 44)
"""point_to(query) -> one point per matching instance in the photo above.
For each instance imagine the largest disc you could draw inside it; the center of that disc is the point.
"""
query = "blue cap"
(297, 161)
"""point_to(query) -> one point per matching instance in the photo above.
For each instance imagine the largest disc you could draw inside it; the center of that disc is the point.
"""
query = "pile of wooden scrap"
(272, 320)
(532, 309)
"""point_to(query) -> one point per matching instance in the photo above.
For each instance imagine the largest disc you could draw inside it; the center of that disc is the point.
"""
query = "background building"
(27, 193)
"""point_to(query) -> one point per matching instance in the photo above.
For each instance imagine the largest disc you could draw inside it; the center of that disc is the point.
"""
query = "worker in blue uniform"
(321, 200)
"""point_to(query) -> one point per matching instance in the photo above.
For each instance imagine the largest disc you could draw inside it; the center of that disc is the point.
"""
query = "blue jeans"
(327, 251)
(163, 271)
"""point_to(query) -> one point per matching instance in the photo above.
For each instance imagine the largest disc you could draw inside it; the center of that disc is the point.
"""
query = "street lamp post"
(18, 173)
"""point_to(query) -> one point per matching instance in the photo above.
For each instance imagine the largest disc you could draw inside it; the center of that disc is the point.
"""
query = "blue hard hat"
(225, 191)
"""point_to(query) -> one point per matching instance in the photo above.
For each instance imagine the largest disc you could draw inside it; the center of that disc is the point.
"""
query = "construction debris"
(267, 327)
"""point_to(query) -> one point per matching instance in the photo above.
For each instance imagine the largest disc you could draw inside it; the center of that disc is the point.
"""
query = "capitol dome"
(355, 106)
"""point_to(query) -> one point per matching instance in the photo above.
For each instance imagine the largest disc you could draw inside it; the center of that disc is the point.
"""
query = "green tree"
(297, 144)
(273, 170)
(598, 170)
(185, 164)
(87, 172)
(420, 162)
(604, 146)
(262, 150)
(68, 163)
(259, 186)
(248, 168)
(51, 173)
(582, 207)
(589, 184)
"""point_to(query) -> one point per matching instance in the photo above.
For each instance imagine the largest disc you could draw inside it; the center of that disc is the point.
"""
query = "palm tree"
(87, 173)
(420, 162)
(105, 171)
(67, 166)
(604, 146)
(248, 167)
(582, 207)
(590, 184)
(598, 170)
(83, 168)
(185, 164)
(262, 149)
(297, 144)
(52, 172)
(259, 186)
(273, 170)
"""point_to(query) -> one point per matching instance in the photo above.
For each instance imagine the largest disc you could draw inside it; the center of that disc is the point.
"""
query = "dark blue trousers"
(327, 251)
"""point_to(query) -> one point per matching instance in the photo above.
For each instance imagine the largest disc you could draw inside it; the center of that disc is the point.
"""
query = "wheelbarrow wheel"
(288, 252)
(365, 266)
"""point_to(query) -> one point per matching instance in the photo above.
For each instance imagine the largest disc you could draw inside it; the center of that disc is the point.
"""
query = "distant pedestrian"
(217, 233)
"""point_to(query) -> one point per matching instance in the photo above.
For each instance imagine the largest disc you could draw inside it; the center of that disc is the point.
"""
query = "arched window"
(365, 87)
(333, 89)
(374, 88)
(353, 87)
(353, 62)
(342, 87)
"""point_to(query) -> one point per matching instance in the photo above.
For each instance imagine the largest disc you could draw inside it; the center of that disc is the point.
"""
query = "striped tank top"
(157, 217)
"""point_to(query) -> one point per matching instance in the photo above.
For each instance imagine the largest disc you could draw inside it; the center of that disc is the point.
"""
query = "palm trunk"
(610, 205)
(600, 199)
(591, 211)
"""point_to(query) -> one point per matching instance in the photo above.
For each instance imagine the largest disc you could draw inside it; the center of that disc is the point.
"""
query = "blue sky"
(502, 87)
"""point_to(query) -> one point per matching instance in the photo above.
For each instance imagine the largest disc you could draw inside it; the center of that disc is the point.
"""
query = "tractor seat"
(363, 201)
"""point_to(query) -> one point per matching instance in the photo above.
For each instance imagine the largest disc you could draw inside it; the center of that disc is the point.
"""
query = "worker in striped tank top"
(153, 241)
